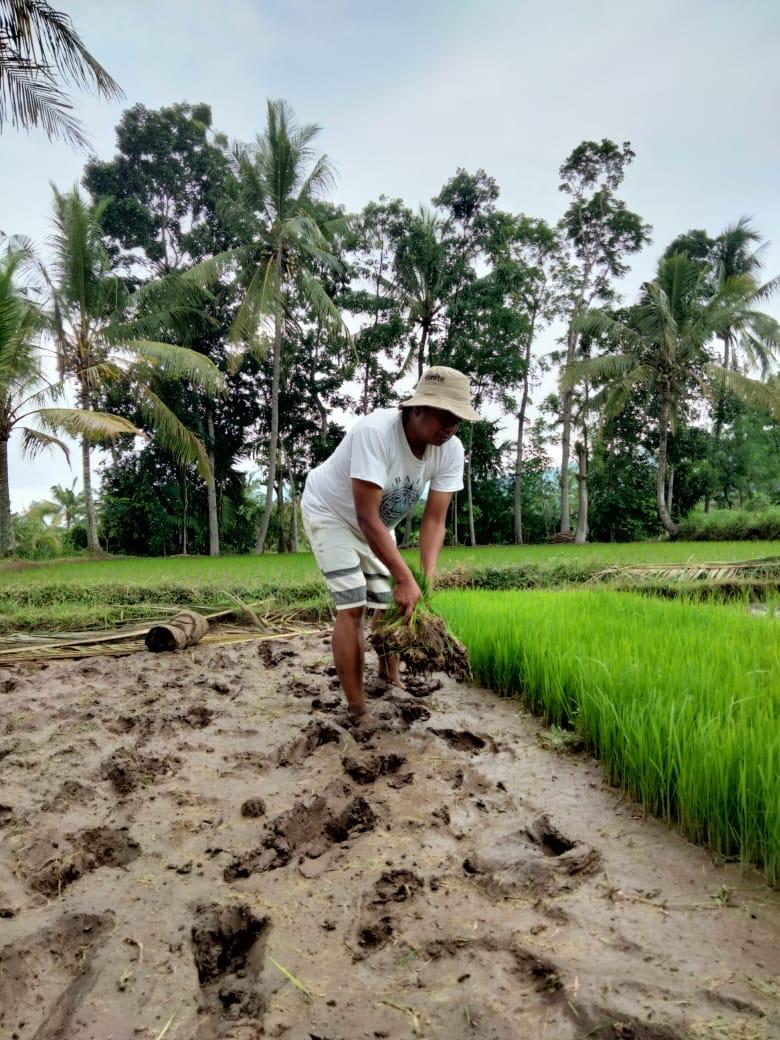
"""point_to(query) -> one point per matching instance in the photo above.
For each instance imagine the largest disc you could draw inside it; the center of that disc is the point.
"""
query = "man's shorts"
(355, 576)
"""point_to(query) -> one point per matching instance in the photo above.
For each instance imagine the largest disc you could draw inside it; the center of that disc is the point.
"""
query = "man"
(353, 501)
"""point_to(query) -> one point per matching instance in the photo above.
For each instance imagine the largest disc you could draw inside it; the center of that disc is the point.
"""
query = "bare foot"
(363, 723)
(392, 680)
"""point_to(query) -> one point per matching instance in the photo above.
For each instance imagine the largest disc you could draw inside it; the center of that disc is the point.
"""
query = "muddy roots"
(423, 643)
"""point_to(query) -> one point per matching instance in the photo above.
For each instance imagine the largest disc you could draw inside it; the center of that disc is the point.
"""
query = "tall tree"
(102, 333)
(39, 51)
(24, 392)
(163, 187)
(275, 214)
(529, 256)
(664, 343)
(601, 233)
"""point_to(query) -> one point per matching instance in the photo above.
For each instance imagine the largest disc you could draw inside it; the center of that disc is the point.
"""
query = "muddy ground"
(196, 846)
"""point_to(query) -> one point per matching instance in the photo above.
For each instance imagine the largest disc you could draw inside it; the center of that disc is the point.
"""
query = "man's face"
(436, 425)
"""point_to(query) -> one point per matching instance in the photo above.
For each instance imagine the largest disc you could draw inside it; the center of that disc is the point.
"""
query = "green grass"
(292, 568)
(72, 595)
(680, 701)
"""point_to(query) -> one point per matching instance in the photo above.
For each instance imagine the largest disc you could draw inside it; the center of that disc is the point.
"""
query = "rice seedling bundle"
(423, 641)
(680, 701)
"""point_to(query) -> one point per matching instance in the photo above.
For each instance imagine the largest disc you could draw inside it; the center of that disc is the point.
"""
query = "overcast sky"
(406, 92)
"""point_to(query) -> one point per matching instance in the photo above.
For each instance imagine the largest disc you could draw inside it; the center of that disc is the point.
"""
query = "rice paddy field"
(679, 701)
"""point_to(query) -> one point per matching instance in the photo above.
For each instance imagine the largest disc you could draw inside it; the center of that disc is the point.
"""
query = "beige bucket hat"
(446, 388)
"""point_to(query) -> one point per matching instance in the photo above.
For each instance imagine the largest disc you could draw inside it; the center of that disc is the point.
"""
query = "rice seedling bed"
(680, 701)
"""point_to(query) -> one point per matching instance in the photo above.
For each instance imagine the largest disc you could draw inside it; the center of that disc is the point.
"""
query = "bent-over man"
(353, 501)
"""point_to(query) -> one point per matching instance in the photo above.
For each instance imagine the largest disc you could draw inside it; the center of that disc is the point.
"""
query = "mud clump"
(397, 886)
(307, 830)
(253, 807)
(127, 770)
(368, 770)
(91, 849)
(424, 645)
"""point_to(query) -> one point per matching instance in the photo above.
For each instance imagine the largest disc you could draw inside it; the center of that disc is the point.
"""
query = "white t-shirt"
(376, 450)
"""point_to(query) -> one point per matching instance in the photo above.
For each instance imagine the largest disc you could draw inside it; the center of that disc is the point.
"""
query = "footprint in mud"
(609, 1024)
(539, 859)
(228, 947)
(56, 963)
(463, 740)
(6, 814)
(272, 653)
(307, 831)
(89, 850)
(70, 793)
(315, 734)
(127, 769)
(368, 770)
(298, 688)
(377, 926)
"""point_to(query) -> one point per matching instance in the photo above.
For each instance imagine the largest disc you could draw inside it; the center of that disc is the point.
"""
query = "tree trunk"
(518, 520)
(280, 508)
(6, 528)
(421, 354)
(93, 545)
(660, 484)
(567, 402)
(185, 508)
(273, 444)
(211, 487)
(669, 488)
(294, 547)
(581, 535)
(469, 498)
(456, 540)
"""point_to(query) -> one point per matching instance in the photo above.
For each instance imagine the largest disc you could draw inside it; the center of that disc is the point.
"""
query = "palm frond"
(173, 362)
(34, 442)
(606, 367)
(758, 394)
(174, 437)
(82, 422)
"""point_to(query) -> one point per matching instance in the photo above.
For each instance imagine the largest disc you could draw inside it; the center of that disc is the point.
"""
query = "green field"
(82, 594)
(680, 701)
(294, 567)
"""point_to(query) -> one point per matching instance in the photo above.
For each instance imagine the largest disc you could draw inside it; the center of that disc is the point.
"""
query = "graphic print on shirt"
(397, 502)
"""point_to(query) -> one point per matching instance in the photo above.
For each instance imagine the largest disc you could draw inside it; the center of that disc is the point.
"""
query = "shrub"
(731, 525)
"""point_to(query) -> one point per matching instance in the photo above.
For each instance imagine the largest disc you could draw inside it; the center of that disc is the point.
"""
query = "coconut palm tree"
(285, 243)
(102, 333)
(70, 504)
(664, 346)
(38, 48)
(24, 390)
(422, 282)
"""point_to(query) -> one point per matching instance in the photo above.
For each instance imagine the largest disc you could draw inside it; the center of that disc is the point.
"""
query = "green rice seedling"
(679, 700)
(423, 640)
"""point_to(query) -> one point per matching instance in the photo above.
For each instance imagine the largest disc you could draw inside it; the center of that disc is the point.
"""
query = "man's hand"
(407, 594)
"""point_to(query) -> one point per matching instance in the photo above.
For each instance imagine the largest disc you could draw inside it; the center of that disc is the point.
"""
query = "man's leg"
(347, 645)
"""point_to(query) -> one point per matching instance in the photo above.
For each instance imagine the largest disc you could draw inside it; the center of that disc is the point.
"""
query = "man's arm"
(432, 530)
(368, 498)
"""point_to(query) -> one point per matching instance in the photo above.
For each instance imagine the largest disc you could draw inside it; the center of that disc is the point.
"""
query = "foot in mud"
(362, 723)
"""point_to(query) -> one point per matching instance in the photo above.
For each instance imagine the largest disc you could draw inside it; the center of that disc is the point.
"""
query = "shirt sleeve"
(370, 459)
(449, 475)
